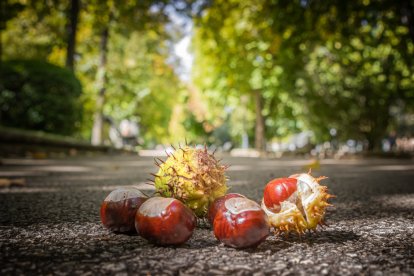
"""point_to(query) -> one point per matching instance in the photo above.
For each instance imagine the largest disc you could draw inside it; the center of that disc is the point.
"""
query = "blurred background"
(324, 78)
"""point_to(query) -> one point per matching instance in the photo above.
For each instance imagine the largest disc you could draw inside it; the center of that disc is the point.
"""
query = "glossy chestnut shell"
(277, 191)
(119, 208)
(218, 204)
(241, 223)
(165, 221)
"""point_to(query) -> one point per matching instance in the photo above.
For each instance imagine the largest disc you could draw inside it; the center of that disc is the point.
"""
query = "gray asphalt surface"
(52, 224)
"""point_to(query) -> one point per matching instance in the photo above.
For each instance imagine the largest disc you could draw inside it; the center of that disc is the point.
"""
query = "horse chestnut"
(165, 221)
(218, 204)
(277, 191)
(119, 208)
(296, 203)
(241, 223)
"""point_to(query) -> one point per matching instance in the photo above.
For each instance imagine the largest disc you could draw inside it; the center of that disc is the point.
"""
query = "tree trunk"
(374, 142)
(3, 21)
(259, 138)
(379, 123)
(101, 79)
(1, 45)
(71, 30)
(408, 12)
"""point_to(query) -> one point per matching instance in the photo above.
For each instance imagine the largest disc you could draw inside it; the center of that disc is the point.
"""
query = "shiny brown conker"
(277, 191)
(218, 204)
(119, 208)
(241, 223)
(165, 221)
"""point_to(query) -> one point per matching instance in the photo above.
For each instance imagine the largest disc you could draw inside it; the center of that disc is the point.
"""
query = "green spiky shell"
(193, 176)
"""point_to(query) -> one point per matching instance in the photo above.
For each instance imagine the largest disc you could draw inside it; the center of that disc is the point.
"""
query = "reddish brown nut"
(165, 221)
(119, 208)
(241, 223)
(218, 204)
(296, 204)
(277, 191)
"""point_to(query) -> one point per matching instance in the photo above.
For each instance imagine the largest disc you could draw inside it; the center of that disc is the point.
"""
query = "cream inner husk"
(124, 193)
(298, 210)
(154, 206)
(238, 205)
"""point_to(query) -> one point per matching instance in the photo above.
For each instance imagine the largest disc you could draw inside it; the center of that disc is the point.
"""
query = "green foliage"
(357, 72)
(39, 96)
(12, 10)
(35, 31)
(140, 86)
(239, 50)
(318, 64)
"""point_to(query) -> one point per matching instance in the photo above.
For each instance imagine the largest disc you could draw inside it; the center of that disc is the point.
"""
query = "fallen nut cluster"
(191, 183)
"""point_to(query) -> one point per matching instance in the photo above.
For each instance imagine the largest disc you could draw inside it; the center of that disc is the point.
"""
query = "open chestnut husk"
(218, 204)
(165, 221)
(119, 208)
(241, 223)
(296, 204)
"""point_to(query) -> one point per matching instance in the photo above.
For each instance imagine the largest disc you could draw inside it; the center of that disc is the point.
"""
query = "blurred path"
(52, 224)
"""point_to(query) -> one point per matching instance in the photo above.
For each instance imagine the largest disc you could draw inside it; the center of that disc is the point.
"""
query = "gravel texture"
(52, 224)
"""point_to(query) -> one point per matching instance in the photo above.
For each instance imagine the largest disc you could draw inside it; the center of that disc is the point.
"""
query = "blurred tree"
(358, 68)
(238, 52)
(33, 29)
(40, 96)
(135, 78)
(330, 64)
(141, 85)
(8, 10)
(125, 17)
(72, 26)
(105, 16)
(147, 22)
(274, 67)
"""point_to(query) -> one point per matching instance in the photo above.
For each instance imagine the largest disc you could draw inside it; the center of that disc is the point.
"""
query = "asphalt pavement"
(51, 223)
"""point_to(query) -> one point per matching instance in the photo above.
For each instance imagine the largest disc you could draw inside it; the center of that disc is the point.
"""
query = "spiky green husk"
(193, 176)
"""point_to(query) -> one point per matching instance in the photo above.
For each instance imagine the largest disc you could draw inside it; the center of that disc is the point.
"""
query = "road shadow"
(324, 236)
(327, 236)
(272, 245)
(374, 208)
